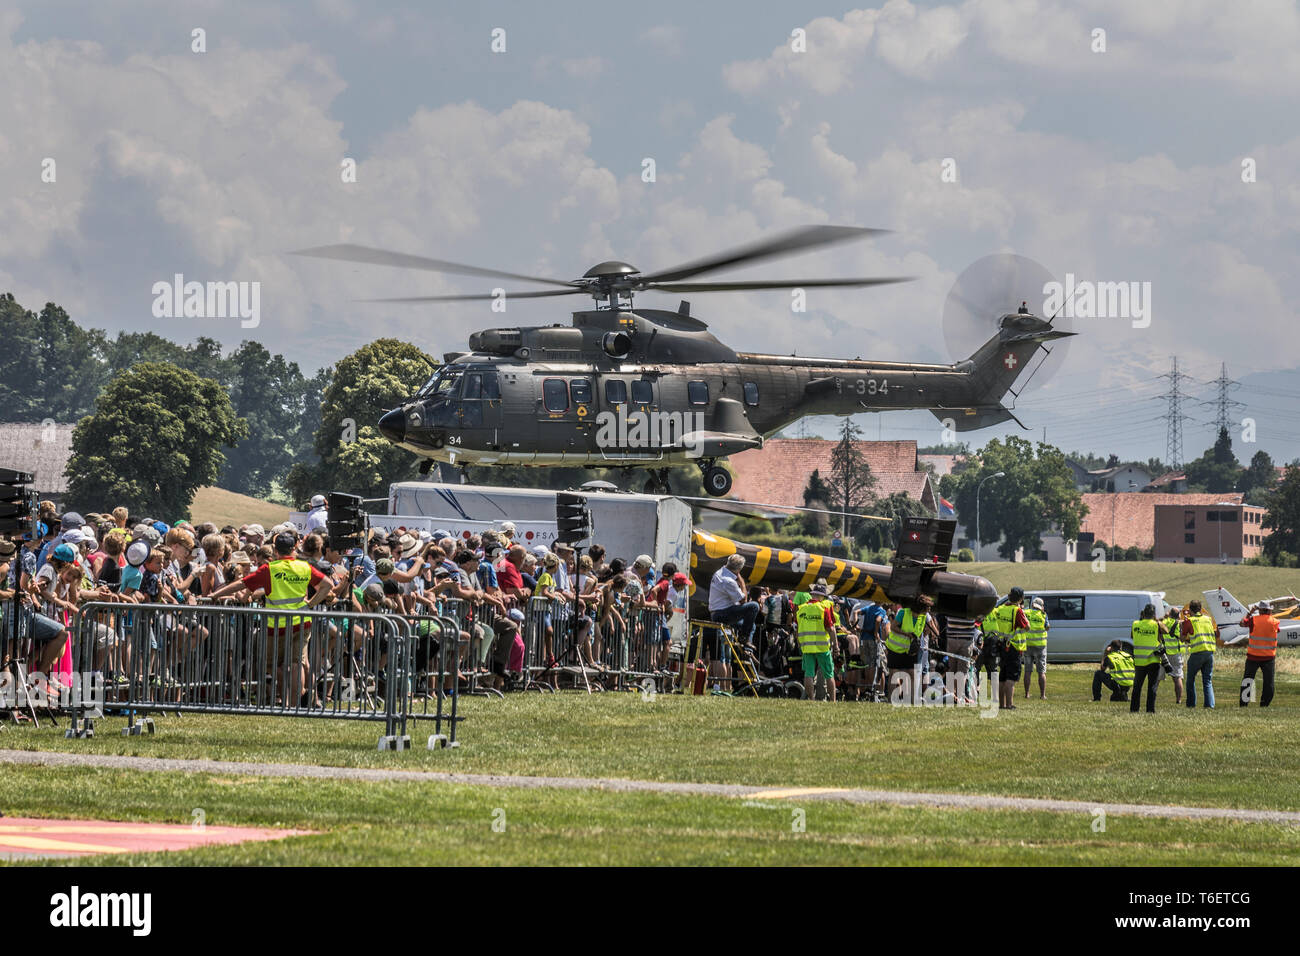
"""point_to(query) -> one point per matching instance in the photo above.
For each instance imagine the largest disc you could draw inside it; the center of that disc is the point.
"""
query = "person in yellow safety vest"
(286, 581)
(1171, 640)
(1147, 645)
(1116, 672)
(815, 629)
(1005, 625)
(1198, 627)
(1036, 646)
(903, 643)
(1261, 653)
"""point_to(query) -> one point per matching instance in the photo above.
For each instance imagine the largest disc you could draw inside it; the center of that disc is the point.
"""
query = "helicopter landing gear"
(717, 480)
(657, 482)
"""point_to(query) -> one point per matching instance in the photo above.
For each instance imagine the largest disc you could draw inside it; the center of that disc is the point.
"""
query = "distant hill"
(1180, 582)
(223, 507)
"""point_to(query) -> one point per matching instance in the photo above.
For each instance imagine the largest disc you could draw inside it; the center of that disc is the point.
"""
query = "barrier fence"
(145, 659)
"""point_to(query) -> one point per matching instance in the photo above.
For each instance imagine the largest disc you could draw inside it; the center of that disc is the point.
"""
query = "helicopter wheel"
(717, 481)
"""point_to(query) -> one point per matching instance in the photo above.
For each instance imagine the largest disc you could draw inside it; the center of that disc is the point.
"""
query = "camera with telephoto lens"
(1163, 657)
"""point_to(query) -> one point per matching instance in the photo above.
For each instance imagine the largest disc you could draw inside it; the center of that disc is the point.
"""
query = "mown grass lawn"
(1066, 747)
(360, 824)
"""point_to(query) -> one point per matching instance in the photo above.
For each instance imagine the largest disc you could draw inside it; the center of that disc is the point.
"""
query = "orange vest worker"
(1262, 642)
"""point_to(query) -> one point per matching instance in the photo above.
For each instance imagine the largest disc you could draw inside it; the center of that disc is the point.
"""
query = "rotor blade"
(765, 504)
(770, 284)
(782, 244)
(482, 296)
(348, 252)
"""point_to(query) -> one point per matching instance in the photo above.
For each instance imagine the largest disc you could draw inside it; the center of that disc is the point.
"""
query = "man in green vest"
(1147, 651)
(907, 634)
(1116, 672)
(1036, 646)
(1198, 627)
(1005, 625)
(287, 582)
(815, 629)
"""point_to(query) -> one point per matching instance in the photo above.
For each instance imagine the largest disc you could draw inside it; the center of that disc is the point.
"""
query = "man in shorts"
(1035, 655)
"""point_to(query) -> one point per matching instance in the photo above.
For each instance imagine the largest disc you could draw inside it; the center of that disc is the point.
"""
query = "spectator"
(318, 516)
(728, 599)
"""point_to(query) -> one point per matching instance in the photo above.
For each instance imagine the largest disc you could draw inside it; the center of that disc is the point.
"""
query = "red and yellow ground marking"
(21, 836)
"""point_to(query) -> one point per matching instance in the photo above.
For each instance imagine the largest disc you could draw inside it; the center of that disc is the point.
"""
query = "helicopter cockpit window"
(580, 391)
(697, 393)
(615, 391)
(751, 393)
(555, 395)
(444, 385)
(642, 392)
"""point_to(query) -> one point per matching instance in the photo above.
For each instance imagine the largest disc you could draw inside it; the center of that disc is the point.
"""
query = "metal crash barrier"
(145, 659)
(614, 652)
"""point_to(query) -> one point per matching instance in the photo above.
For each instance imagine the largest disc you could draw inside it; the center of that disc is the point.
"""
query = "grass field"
(223, 507)
(1180, 582)
(1066, 747)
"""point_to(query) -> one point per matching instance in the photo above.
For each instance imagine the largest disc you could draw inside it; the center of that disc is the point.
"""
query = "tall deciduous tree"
(155, 438)
(1216, 471)
(50, 366)
(354, 457)
(1037, 493)
(1283, 518)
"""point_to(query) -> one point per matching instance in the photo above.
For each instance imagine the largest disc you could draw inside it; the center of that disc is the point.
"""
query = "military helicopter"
(623, 386)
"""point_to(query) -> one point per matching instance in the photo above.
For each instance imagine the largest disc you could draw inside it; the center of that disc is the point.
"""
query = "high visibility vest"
(1146, 642)
(1172, 641)
(1001, 620)
(1121, 668)
(913, 625)
(810, 619)
(1263, 636)
(1203, 634)
(1036, 636)
(290, 581)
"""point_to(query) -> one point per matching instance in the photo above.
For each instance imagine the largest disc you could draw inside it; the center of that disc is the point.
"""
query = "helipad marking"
(12, 841)
(27, 836)
(796, 792)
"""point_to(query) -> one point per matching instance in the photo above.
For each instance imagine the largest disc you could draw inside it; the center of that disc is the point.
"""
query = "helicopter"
(623, 386)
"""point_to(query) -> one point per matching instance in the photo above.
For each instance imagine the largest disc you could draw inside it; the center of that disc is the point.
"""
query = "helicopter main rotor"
(609, 281)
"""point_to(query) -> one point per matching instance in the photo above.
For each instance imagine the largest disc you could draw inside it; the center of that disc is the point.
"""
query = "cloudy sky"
(1123, 165)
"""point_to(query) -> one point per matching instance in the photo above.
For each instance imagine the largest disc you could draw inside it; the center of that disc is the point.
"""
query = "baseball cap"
(680, 579)
(160, 527)
(317, 501)
(441, 533)
(385, 566)
(374, 592)
(137, 553)
(255, 529)
(64, 552)
(73, 537)
(508, 527)
(516, 615)
(1265, 607)
(541, 550)
(284, 542)
(643, 561)
(72, 520)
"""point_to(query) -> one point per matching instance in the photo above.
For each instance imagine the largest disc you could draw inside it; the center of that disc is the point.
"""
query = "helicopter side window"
(642, 392)
(697, 393)
(751, 393)
(580, 391)
(555, 395)
(491, 387)
(473, 386)
(615, 391)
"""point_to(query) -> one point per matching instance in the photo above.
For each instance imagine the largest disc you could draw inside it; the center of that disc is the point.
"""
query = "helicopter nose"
(392, 425)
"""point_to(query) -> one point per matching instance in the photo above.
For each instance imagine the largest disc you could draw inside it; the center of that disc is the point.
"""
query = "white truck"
(625, 524)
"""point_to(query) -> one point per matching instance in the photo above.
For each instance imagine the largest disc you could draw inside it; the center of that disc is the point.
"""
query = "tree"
(882, 535)
(851, 481)
(1037, 493)
(816, 492)
(270, 395)
(354, 457)
(1283, 517)
(51, 367)
(155, 438)
(1216, 471)
(1257, 481)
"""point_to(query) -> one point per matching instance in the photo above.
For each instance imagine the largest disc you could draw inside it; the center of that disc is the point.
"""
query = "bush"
(748, 527)
(965, 555)
(1133, 554)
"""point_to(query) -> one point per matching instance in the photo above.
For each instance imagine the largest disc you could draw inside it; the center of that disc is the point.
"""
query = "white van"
(1084, 622)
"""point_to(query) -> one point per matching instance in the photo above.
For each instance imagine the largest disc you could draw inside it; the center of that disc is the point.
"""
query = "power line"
(1174, 416)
